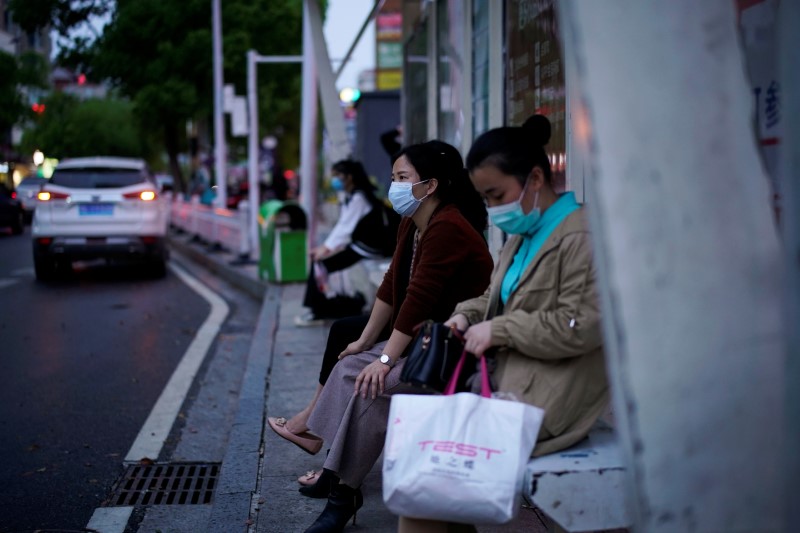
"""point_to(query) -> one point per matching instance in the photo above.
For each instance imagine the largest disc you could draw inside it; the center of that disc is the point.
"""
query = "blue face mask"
(512, 219)
(337, 184)
(402, 198)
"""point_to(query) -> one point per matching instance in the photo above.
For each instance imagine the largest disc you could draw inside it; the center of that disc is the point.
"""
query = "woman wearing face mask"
(539, 319)
(441, 258)
(359, 222)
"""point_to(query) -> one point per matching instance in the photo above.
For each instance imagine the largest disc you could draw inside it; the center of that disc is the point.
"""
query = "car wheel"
(45, 268)
(19, 224)
(158, 268)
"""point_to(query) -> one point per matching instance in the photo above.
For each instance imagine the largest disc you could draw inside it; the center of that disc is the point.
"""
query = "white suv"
(107, 207)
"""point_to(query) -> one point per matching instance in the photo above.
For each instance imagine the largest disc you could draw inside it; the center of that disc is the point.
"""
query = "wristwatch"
(386, 360)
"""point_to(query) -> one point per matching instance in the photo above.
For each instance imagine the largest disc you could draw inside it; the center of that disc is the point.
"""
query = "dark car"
(11, 213)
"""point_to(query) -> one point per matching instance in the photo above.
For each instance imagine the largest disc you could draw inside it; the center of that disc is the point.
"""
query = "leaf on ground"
(146, 461)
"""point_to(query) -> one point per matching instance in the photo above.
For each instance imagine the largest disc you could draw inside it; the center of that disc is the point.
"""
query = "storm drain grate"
(166, 484)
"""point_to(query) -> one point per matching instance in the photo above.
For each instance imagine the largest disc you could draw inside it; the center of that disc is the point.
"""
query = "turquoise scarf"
(533, 241)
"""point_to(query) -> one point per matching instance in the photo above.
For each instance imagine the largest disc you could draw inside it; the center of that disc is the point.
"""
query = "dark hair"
(355, 170)
(514, 150)
(440, 160)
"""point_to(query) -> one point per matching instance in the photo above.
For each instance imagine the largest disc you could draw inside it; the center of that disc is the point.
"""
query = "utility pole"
(220, 166)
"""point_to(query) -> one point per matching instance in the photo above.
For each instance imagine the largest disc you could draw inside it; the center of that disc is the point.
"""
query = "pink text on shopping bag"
(457, 448)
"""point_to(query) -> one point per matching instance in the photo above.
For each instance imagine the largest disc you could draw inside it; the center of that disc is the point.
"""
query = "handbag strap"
(486, 390)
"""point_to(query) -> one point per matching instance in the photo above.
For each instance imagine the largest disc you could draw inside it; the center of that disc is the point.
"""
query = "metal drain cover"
(166, 484)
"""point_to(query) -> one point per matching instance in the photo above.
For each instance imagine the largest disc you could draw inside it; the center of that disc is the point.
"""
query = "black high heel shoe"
(323, 487)
(343, 503)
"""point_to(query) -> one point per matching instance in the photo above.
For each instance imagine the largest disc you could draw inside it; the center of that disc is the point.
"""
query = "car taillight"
(44, 241)
(45, 196)
(14, 195)
(145, 196)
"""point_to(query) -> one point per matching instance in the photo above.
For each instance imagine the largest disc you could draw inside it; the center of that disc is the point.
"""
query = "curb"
(239, 478)
(254, 287)
(237, 486)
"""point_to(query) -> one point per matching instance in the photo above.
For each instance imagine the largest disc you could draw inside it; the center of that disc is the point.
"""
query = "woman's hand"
(458, 321)
(371, 380)
(354, 347)
(478, 337)
(320, 252)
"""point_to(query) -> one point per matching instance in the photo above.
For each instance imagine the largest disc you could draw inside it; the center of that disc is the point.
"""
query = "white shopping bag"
(458, 457)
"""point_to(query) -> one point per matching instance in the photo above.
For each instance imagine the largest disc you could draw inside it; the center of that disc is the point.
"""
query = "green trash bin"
(283, 233)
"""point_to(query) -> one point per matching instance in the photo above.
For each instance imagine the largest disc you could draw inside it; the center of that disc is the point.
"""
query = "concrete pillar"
(689, 261)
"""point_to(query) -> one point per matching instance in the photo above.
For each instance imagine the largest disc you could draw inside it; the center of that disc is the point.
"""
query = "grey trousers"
(354, 427)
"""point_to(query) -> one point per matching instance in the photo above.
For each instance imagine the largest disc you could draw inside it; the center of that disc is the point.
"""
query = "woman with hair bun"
(539, 319)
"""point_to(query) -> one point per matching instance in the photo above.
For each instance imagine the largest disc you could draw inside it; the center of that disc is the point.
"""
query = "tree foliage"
(13, 107)
(62, 15)
(73, 128)
(158, 53)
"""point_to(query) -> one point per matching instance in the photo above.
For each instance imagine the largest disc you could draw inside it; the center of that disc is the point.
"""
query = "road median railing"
(216, 226)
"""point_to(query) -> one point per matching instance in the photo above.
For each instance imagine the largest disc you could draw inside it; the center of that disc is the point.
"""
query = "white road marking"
(110, 519)
(158, 425)
(7, 282)
(28, 271)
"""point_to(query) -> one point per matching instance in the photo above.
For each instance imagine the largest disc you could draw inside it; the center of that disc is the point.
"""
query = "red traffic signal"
(38, 108)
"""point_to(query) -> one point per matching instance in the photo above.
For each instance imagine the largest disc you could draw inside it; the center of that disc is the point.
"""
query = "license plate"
(96, 209)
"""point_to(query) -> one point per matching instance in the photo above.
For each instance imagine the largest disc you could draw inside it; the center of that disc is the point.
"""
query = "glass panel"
(415, 81)
(535, 75)
(97, 178)
(480, 66)
(450, 41)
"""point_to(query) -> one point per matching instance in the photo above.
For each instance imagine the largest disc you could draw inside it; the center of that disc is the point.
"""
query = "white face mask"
(402, 198)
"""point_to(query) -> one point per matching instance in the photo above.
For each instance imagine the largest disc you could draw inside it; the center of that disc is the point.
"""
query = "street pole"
(252, 154)
(219, 122)
(254, 184)
(308, 130)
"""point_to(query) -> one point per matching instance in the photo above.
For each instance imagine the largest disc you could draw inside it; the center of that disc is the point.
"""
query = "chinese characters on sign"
(535, 75)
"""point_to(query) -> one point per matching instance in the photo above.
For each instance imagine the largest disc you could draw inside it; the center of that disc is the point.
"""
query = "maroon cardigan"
(452, 264)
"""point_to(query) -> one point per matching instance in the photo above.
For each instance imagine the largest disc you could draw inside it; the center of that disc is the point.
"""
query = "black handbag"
(433, 356)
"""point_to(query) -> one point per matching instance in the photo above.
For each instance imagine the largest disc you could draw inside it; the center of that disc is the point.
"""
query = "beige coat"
(548, 337)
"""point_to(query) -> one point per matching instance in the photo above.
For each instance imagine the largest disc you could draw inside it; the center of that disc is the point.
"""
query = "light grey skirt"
(354, 427)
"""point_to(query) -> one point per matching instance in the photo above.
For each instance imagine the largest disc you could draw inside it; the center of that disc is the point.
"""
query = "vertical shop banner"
(388, 49)
(535, 75)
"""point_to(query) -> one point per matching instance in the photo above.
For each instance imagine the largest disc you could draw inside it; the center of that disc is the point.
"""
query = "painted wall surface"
(689, 260)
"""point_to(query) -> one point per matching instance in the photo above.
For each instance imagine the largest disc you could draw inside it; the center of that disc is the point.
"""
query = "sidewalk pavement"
(257, 489)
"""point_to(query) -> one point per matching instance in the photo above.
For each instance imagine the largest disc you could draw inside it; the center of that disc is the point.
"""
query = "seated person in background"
(441, 258)
(539, 319)
(362, 231)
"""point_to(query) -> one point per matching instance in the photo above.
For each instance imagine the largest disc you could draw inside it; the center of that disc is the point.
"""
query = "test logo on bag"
(457, 448)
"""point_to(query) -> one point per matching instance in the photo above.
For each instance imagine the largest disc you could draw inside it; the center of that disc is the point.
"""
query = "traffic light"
(38, 108)
(349, 95)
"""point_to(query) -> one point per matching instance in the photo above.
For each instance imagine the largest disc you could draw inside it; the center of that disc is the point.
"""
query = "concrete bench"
(582, 488)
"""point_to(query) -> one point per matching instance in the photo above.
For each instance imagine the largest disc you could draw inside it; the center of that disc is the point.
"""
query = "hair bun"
(537, 128)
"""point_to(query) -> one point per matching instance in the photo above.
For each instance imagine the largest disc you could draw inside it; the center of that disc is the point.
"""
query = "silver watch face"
(386, 360)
